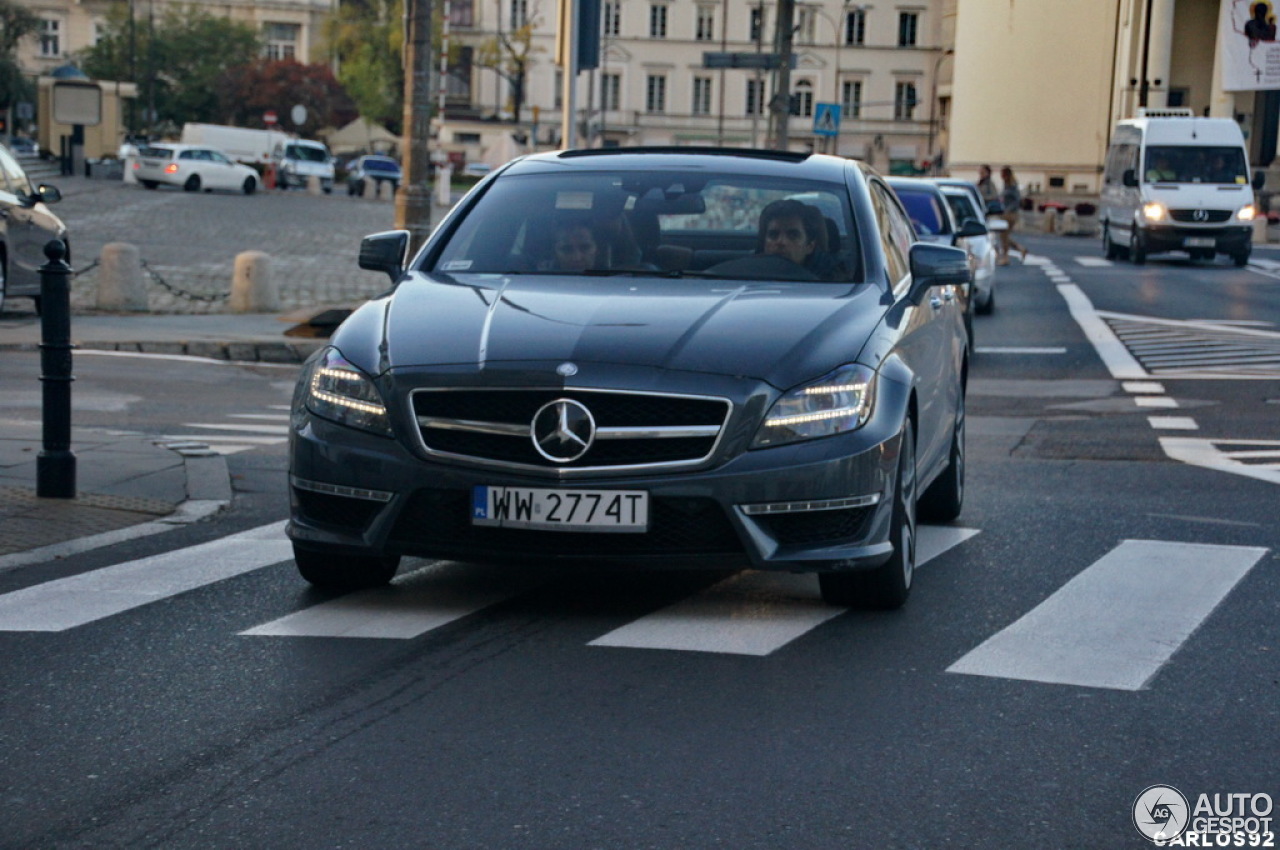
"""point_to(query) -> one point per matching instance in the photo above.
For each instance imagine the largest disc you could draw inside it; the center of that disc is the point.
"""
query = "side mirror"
(48, 194)
(1129, 178)
(936, 265)
(971, 227)
(385, 252)
(1259, 179)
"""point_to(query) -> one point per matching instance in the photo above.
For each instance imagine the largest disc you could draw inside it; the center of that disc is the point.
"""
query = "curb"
(240, 352)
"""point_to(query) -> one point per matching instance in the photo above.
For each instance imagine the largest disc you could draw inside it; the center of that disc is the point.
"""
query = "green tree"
(509, 54)
(16, 22)
(366, 37)
(246, 92)
(176, 60)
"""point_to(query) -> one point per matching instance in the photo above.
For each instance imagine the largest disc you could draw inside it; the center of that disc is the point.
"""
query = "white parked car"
(192, 167)
(964, 205)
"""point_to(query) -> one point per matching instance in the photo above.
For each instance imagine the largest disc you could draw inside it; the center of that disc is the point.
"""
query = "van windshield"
(1196, 164)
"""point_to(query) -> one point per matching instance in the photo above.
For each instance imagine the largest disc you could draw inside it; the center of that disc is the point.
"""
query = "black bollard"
(56, 464)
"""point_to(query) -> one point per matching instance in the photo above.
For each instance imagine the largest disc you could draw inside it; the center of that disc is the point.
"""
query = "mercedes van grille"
(1205, 217)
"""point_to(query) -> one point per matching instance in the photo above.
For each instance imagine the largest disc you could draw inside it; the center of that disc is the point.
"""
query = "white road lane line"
(63, 604)
(1208, 454)
(753, 612)
(1118, 622)
(1155, 401)
(1173, 423)
(1020, 349)
(1122, 365)
(413, 605)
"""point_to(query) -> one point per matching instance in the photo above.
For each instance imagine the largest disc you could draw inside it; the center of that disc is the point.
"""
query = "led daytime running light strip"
(805, 418)
(342, 400)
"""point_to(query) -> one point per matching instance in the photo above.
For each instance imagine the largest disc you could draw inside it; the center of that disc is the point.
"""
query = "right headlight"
(335, 389)
(835, 403)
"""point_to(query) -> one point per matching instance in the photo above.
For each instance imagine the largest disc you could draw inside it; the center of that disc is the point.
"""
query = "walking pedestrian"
(1011, 199)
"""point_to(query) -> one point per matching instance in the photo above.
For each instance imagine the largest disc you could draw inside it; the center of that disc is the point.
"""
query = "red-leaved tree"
(247, 92)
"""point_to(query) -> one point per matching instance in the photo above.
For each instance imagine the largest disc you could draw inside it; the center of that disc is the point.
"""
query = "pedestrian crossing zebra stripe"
(1119, 621)
(1258, 459)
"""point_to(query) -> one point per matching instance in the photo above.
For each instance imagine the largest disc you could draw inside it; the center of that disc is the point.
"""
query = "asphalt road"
(1101, 619)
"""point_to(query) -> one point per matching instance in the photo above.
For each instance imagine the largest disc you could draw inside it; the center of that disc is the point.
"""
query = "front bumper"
(1229, 239)
(814, 506)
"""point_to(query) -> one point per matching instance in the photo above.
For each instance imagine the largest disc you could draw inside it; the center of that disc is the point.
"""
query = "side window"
(896, 234)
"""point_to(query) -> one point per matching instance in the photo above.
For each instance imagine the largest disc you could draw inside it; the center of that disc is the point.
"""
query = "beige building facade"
(1040, 85)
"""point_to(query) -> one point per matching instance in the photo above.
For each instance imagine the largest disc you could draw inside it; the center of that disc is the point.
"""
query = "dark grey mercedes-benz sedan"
(674, 357)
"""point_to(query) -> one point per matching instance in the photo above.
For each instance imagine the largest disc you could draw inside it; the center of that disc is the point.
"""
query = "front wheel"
(888, 585)
(334, 570)
(1109, 249)
(1241, 258)
(1138, 248)
(250, 186)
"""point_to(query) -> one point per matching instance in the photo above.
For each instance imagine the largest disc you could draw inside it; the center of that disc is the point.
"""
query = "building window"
(613, 18)
(701, 96)
(655, 96)
(757, 24)
(282, 40)
(706, 24)
(461, 14)
(755, 97)
(50, 37)
(805, 26)
(804, 97)
(855, 28)
(904, 101)
(658, 21)
(851, 98)
(908, 27)
(519, 13)
(611, 92)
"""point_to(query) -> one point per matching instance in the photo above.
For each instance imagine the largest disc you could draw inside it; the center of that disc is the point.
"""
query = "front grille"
(1210, 216)
(803, 528)
(436, 521)
(339, 511)
(495, 426)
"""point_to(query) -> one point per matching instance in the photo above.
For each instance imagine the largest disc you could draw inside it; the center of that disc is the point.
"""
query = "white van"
(298, 160)
(1174, 182)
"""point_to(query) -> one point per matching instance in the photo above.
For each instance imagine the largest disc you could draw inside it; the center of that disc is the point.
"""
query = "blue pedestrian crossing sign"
(826, 119)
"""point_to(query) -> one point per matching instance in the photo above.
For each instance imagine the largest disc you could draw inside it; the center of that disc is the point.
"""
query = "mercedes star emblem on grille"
(563, 430)
(1200, 215)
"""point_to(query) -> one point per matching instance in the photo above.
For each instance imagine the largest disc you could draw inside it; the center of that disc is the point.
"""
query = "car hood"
(779, 332)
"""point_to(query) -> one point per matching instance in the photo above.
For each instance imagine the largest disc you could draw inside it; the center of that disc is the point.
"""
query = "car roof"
(691, 158)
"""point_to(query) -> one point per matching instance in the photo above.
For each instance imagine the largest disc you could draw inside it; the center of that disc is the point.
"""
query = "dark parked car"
(372, 167)
(26, 226)
(682, 357)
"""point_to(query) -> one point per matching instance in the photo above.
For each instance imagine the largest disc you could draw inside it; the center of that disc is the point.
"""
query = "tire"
(1138, 248)
(944, 499)
(149, 184)
(886, 587)
(351, 189)
(1110, 250)
(250, 186)
(988, 304)
(335, 570)
(1241, 258)
(192, 184)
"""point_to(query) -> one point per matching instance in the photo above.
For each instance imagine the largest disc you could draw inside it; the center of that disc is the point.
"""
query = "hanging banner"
(1247, 44)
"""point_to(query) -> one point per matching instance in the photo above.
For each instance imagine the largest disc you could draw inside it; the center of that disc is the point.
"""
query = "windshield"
(925, 210)
(962, 206)
(657, 223)
(306, 153)
(1196, 164)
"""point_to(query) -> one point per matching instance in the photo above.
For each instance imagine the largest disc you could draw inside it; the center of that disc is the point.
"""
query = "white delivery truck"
(252, 147)
(1175, 182)
(298, 160)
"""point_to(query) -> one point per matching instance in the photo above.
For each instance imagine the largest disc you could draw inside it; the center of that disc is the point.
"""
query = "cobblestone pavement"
(189, 241)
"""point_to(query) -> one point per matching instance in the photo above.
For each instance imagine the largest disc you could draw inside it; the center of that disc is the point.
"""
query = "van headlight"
(833, 404)
(1247, 213)
(332, 388)
(1155, 211)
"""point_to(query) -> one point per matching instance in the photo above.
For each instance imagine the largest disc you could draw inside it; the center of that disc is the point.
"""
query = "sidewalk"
(127, 485)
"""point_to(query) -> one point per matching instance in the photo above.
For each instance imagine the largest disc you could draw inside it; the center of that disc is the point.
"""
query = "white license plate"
(561, 510)
(1198, 242)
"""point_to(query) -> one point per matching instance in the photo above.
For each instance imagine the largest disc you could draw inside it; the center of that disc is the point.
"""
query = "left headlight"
(335, 389)
(1247, 213)
(1154, 211)
(835, 403)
